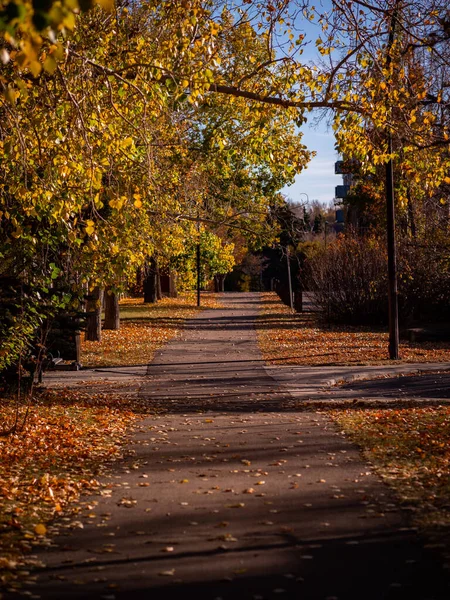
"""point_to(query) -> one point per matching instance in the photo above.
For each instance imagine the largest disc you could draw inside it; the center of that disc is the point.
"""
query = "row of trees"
(116, 159)
(398, 143)
(127, 134)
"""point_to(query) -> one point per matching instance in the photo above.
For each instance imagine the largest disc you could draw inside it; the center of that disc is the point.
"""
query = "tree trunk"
(150, 284)
(159, 293)
(219, 283)
(94, 318)
(112, 313)
(411, 216)
(173, 284)
(139, 284)
(298, 300)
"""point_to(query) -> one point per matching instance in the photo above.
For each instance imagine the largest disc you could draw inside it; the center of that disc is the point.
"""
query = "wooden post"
(112, 313)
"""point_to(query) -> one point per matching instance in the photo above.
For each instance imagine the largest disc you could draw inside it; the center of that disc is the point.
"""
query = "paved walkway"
(233, 492)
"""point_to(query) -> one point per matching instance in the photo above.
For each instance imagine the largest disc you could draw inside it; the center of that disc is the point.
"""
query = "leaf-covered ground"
(66, 443)
(410, 447)
(144, 329)
(69, 438)
(300, 339)
(62, 451)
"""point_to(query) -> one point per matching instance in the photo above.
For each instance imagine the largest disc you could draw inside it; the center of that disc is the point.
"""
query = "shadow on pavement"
(365, 568)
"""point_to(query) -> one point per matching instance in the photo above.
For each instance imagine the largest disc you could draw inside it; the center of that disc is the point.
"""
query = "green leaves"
(54, 271)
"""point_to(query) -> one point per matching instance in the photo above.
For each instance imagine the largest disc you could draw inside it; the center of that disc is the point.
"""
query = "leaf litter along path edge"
(232, 493)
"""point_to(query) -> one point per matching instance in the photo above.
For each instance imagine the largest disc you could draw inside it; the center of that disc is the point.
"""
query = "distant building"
(344, 168)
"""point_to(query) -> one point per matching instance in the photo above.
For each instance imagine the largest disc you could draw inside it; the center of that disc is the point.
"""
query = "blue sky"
(318, 179)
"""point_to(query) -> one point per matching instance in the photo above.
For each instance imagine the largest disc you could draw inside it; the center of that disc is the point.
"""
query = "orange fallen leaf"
(40, 529)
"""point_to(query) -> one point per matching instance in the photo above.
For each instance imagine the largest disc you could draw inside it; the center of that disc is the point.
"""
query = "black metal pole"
(198, 274)
(392, 257)
(390, 206)
(288, 260)
(327, 275)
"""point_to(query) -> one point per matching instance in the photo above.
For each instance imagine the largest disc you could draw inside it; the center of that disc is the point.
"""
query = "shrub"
(349, 279)
(424, 281)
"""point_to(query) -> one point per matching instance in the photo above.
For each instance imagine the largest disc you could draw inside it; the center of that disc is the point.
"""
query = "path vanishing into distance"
(233, 490)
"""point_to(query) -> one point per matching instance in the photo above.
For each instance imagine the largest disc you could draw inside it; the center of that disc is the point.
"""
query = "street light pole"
(198, 274)
(390, 205)
(305, 194)
(392, 258)
(288, 260)
(198, 259)
(326, 223)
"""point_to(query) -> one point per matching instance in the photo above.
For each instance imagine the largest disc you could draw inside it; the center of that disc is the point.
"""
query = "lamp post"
(288, 260)
(198, 261)
(305, 194)
(198, 274)
(326, 223)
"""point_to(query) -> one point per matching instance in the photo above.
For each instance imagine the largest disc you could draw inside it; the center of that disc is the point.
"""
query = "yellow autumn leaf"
(50, 65)
(40, 529)
(138, 203)
(11, 94)
(35, 67)
(69, 21)
(90, 228)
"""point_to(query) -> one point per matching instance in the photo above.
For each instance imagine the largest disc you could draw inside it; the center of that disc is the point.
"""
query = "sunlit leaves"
(58, 454)
(301, 339)
(411, 449)
(395, 87)
(144, 329)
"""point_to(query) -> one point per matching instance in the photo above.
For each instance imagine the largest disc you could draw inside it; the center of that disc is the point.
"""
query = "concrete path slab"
(233, 493)
(408, 383)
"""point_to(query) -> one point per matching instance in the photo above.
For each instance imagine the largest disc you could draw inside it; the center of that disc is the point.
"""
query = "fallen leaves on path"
(69, 437)
(65, 445)
(410, 448)
(144, 329)
(300, 339)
